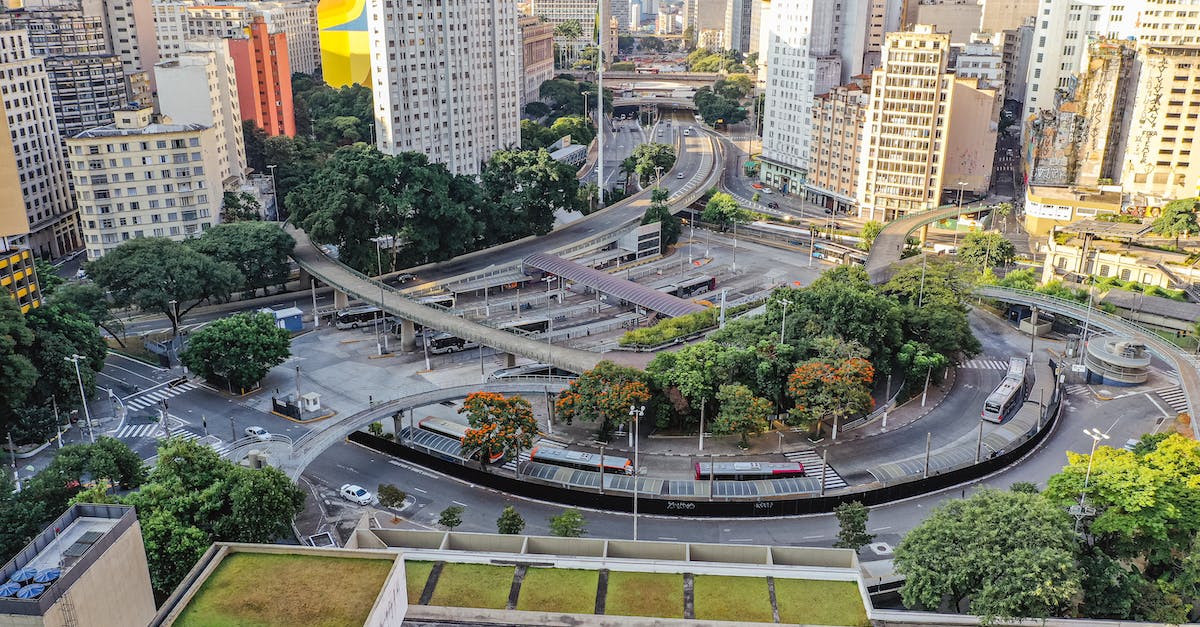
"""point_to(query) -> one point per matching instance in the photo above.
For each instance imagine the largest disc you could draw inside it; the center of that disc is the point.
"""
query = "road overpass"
(1185, 364)
(651, 100)
(889, 244)
(688, 78)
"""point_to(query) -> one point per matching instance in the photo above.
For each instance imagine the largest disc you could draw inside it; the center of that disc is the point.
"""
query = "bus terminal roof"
(628, 291)
(1106, 229)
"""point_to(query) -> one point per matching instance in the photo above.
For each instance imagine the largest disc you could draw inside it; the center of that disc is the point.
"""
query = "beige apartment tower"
(837, 127)
(903, 159)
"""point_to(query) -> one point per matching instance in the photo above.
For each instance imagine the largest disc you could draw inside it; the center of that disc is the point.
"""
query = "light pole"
(961, 187)
(87, 414)
(175, 329)
(274, 193)
(1096, 435)
(635, 415)
(1087, 321)
(783, 323)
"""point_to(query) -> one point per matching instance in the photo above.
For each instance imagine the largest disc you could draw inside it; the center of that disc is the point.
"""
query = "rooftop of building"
(112, 130)
(1157, 305)
(1078, 194)
(1104, 228)
(59, 554)
(245, 584)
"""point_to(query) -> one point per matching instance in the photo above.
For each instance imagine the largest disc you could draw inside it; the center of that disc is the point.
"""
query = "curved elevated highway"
(698, 162)
(889, 244)
(1185, 364)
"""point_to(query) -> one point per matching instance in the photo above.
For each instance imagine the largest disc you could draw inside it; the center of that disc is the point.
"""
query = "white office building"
(447, 79)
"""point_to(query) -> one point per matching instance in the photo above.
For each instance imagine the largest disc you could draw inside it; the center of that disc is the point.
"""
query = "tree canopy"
(647, 157)
(499, 424)
(1178, 218)
(259, 251)
(986, 250)
(659, 211)
(237, 351)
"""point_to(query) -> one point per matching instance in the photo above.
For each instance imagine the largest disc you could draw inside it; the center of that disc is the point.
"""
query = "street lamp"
(274, 193)
(1097, 436)
(635, 415)
(87, 414)
(783, 323)
(961, 187)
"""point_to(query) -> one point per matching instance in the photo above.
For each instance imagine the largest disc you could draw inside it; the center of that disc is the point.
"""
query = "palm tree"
(628, 168)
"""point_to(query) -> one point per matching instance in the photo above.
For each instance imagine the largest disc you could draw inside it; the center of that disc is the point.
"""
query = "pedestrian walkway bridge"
(605, 283)
(889, 244)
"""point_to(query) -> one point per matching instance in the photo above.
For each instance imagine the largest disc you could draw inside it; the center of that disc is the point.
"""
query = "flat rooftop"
(267, 586)
(1104, 228)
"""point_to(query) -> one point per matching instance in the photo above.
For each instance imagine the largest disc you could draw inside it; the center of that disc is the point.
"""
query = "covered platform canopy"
(1103, 228)
(603, 282)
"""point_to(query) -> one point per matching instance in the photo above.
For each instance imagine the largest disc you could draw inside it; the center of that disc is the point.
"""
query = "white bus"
(355, 317)
(1008, 397)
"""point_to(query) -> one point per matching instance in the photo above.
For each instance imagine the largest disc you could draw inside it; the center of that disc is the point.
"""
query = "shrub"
(671, 328)
(390, 495)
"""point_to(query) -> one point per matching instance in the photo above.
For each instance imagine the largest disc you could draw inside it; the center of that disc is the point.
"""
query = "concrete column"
(305, 279)
(341, 300)
(510, 360)
(397, 424)
(408, 336)
(924, 234)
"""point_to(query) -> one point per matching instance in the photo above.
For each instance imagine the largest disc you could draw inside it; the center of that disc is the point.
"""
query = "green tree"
(985, 550)
(578, 127)
(510, 522)
(741, 412)
(47, 277)
(499, 424)
(524, 189)
(717, 108)
(870, 231)
(390, 495)
(919, 362)
(1178, 218)
(691, 375)
(193, 498)
(724, 210)
(659, 211)
(90, 301)
(986, 250)
(297, 160)
(852, 526)
(604, 394)
(240, 207)
(451, 517)
(150, 272)
(534, 136)
(259, 250)
(255, 140)
(17, 371)
(843, 303)
(58, 333)
(238, 350)
(651, 156)
(568, 524)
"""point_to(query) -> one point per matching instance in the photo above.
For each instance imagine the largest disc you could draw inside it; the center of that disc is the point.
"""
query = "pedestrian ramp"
(812, 468)
(1175, 397)
(154, 397)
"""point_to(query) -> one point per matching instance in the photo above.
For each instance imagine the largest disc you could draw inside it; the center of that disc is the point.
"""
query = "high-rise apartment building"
(33, 140)
(739, 17)
(87, 82)
(1015, 48)
(903, 156)
(1060, 40)
(141, 178)
(200, 87)
(1159, 165)
(17, 275)
(1002, 15)
(558, 12)
(129, 32)
(837, 126)
(537, 56)
(812, 47)
(264, 79)
(958, 18)
(177, 21)
(446, 79)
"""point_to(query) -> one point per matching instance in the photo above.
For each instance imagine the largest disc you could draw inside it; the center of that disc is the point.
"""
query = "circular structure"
(1117, 360)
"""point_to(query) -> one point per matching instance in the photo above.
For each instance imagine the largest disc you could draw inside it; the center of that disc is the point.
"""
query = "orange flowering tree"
(499, 424)
(831, 390)
(741, 412)
(603, 394)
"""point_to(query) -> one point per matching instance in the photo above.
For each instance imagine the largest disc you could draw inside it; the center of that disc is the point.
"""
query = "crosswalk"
(155, 431)
(524, 456)
(1077, 389)
(155, 397)
(812, 468)
(1175, 397)
(987, 364)
(151, 430)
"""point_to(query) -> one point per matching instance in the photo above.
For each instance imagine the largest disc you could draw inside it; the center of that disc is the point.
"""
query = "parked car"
(767, 190)
(356, 494)
(258, 433)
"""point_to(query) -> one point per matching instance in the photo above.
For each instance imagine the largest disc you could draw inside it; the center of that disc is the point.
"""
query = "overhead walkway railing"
(362, 287)
(889, 244)
(1185, 363)
(605, 283)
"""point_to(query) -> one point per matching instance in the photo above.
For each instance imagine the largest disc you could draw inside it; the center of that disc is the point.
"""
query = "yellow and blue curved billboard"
(345, 48)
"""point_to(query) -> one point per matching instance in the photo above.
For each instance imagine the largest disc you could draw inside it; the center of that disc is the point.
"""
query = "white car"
(355, 494)
(679, 175)
(258, 433)
(766, 190)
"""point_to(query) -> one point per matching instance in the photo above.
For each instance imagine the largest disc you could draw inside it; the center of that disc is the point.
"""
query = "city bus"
(580, 460)
(748, 471)
(451, 429)
(363, 315)
(446, 343)
(688, 288)
(441, 300)
(526, 326)
(1008, 397)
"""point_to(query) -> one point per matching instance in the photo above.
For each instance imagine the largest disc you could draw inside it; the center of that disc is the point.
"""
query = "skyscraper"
(903, 157)
(200, 87)
(446, 76)
(264, 78)
(34, 141)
